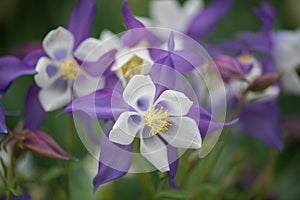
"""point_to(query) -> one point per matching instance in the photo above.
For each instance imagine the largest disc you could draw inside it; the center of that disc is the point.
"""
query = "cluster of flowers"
(142, 81)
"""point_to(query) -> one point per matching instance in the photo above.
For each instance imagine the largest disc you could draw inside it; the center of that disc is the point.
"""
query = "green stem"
(224, 142)
(69, 147)
(162, 178)
(10, 183)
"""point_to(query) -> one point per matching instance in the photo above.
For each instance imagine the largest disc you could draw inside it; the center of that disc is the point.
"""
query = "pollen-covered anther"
(157, 120)
(69, 69)
(133, 67)
(245, 58)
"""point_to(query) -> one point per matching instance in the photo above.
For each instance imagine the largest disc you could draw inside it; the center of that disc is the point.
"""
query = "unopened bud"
(38, 142)
(264, 81)
(229, 67)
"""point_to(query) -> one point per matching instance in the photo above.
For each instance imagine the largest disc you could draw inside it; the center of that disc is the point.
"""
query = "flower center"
(245, 58)
(133, 67)
(157, 120)
(69, 69)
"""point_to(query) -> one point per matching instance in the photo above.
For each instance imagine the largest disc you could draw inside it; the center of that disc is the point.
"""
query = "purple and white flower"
(155, 121)
(57, 72)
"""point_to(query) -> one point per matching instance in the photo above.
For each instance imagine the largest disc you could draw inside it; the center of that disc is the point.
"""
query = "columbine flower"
(65, 51)
(259, 115)
(153, 121)
(56, 74)
(286, 58)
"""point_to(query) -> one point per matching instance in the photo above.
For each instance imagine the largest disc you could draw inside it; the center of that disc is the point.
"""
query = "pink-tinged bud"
(38, 142)
(229, 67)
(264, 81)
(43, 145)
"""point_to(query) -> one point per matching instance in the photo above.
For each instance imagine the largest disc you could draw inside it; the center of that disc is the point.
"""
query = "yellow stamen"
(133, 67)
(157, 120)
(69, 69)
(245, 58)
(144, 43)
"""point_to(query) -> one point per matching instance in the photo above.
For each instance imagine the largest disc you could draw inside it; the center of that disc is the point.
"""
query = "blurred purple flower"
(22, 197)
(253, 51)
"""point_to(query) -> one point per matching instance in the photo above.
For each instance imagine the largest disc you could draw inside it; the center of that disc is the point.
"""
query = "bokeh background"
(27, 22)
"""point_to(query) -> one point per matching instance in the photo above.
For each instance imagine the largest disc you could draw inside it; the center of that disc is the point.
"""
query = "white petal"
(59, 43)
(46, 72)
(56, 95)
(90, 50)
(191, 7)
(86, 84)
(286, 49)
(126, 128)
(146, 21)
(291, 83)
(155, 151)
(167, 13)
(110, 39)
(175, 102)
(183, 133)
(139, 92)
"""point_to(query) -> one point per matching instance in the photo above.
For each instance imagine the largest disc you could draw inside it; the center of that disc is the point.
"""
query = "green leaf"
(51, 174)
(3, 167)
(174, 194)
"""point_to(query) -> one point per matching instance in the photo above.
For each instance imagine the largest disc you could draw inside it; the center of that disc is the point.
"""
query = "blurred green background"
(22, 22)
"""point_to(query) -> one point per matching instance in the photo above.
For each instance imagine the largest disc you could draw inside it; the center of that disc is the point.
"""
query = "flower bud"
(38, 142)
(229, 67)
(264, 81)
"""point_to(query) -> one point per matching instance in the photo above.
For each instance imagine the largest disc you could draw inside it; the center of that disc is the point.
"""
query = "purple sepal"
(88, 125)
(163, 76)
(206, 122)
(267, 14)
(81, 20)
(173, 160)
(114, 162)
(11, 68)
(34, 112)
(104, 104)
(130, 21)
(182, 61)
(261, 120)
(102, 67)
(3, 128)
(132, 37)
(206, 19)
(136, 32)
(32, 58)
